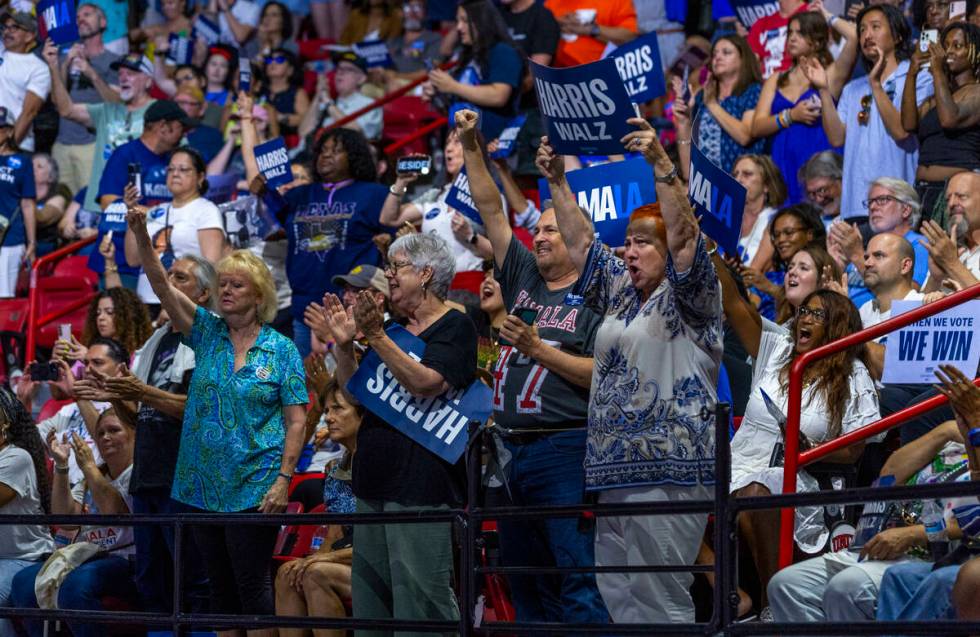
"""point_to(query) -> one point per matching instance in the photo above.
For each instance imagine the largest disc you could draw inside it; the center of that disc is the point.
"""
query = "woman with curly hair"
(330, 224)
(115, 313)
(25, 489)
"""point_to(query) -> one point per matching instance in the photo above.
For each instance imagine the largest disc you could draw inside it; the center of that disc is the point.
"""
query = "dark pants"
(237, 559)
(155, 559)
(549, 470)
(894, 398)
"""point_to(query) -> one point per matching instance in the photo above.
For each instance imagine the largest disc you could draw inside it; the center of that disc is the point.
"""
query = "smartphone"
(957, 9)
(64, 332)
(244, 74)
(421, 164)
(686, 81)
(136, 177)
(927, 37)
(527, 315)
(43, 371)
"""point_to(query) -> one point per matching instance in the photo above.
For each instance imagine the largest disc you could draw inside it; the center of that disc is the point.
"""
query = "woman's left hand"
(83, 454)
(937, 59)
(276, 498)
(107, 248)
(368, 316)
(442, 81)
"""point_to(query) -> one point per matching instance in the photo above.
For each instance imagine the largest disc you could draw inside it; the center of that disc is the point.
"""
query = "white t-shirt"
(246, 12)
(118, 539)
(871, 315)
(437, 218)
(969, 258)
(20, 73)
(369, 122)
(750, 242)
(182, 225)
(69, 420)
(22, 541)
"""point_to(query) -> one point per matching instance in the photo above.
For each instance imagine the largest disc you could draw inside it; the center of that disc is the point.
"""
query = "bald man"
(888, 265)
(945, 262)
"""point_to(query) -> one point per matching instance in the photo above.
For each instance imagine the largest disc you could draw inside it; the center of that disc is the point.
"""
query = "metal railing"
(793, 458)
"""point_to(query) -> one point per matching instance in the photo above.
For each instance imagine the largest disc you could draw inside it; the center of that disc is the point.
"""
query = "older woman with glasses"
(405, 570)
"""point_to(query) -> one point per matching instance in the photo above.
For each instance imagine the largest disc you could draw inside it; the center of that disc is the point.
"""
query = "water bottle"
(318, 537)
(935, 523)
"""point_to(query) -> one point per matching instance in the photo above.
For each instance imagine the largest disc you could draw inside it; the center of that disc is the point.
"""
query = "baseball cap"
(353, 58)
(364, 276)
(134, 62)
(22, 19)
(166, 111)
(6, 117)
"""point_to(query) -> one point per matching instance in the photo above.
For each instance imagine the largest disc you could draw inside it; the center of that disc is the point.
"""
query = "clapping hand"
(368, 316)
(943, 250)
(314, 317)
(317, 376)
(462, 229)
(60, 449)
(827, 281)
(83, 455)
(815, 73)
(340, 320)
(878, 70)
(963, 395)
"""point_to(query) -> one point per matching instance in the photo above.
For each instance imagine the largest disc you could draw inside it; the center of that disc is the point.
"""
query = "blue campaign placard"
(273, 161)
(718, 199)
(439, 423)
(585, 107)
(505, 143)
(638, 63)
(610, 192)
(748, 11)
(375, 52)
(460, 199)
(206, 29)
(113, 219)
(56, 20)
(180, 50)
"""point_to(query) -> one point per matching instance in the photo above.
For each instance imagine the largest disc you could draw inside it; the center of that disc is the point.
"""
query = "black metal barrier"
(468, 521)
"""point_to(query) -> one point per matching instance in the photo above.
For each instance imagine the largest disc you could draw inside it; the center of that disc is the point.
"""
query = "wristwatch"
(666, 179)
(594, 31)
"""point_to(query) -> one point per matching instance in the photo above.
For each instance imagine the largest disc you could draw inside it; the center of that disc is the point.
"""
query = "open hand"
(59, 447)
(963, 395)
(368, 316)
(340, 320)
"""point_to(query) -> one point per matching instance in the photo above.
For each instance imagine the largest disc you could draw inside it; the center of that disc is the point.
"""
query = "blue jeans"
(83, 589)
(155, 559)
(301, 336)
(913, 591)
(549, 470)
(8, 569)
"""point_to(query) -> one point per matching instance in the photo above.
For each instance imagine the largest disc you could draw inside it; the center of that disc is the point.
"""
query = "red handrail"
(33, 301)
(420, 133)
(793, 458)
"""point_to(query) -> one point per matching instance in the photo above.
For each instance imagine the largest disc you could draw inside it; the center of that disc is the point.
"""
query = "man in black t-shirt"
(540, 402)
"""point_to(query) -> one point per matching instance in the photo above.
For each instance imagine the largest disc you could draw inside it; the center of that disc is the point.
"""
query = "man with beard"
(74, 146)
(24, 82)
(114, 123)
(945, 261)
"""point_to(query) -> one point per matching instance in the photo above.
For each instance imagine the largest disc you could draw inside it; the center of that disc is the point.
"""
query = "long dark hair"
(899, 27)
(360, 164)
(821, 259)
(831, 375)
(813, 27)
(487, 29)
(287, 18)
(748, 67)
(20, 431)
(808, 215)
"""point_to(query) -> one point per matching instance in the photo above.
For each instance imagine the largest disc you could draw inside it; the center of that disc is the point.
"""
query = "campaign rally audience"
(276, 280)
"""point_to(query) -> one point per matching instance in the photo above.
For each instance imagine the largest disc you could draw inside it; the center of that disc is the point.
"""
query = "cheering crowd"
(241, 322)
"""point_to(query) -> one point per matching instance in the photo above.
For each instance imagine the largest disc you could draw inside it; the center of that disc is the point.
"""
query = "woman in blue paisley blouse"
(651, 408)
(243, 424)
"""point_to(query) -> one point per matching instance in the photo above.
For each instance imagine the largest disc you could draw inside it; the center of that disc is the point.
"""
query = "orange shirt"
(584, 49)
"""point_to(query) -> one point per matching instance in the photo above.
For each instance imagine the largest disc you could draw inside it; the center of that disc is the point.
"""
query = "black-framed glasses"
(392, 268)
(275, 59)
(821, 192)
(818, 314)
(880, 200)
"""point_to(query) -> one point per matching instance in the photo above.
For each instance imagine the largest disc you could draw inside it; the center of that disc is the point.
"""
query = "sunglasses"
(864, 115)
(275, 59)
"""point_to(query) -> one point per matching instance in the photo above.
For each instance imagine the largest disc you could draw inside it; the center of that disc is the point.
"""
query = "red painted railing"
(794, 459)
(34, 301)
(419, 134)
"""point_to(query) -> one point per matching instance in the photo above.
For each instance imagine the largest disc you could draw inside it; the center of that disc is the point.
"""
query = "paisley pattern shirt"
(232, 441)
(651, 408)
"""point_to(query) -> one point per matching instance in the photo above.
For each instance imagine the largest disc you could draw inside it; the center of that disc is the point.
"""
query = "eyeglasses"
(821, 192)
(14, 25)
(787, 233)
(183, 170)
(817, 314)
(275, 59)
(188, 103)
(393, 268)
(878, 201)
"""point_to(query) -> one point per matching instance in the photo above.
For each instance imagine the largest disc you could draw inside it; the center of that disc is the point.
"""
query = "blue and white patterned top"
(712, 140)
(338, 495)
(232, 442)
(651, 409)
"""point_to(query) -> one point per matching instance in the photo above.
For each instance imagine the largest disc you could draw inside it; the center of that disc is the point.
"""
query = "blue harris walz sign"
(718, 199)
(585, 107)
(57, 21)
(460, 199)
(748, 11)
(610, 192)
(375, 53)
(273, 161)
(437, 423)
(640, 67)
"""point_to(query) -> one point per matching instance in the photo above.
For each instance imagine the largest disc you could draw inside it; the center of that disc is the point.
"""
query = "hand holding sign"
(550, 164)
(645, 141)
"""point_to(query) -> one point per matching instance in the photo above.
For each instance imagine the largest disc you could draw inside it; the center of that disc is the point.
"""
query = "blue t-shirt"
(16, 183)
(206, 140)
(504, 66)
(860, 294)
(328, 232)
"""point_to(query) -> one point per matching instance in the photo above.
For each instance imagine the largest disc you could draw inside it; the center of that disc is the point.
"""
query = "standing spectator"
(371, 20)
(51, 202)
(75, 145)
(24, 490)
(275, 30)
(946, 260)
(867, 114)
(888, 269)
(948, 123)
(661, 303)
(283, 89)
(588, 27)
(724, 107)
(116, 35)
(114, 123)
(489, 72)
(17, 206)
(541, 383)
(219, 70)
(175, 20)
(24, 82)
(350, 77)
(821, 177)
(768, 36)
(115, 313)
(765, 191)
(243, 423)
(414, 47)
(203, 138)
(237, 20)
(788, 108)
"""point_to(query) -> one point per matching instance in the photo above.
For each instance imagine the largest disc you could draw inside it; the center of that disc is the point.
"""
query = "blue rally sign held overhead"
(273, 161)
(610, 193)
(748, 11)
(56, 20)
(638, 63)
(585, 107)
(439, 423)
(718, 199)
(460, 199)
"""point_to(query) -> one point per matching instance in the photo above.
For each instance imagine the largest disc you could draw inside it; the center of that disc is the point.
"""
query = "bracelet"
(391, 189)
(683, 142)
(831, 20)
(287, 476)
(61, 469)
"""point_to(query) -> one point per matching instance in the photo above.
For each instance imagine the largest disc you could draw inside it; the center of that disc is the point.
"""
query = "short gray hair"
(424, 249)
(904, 192)
(206, 276)
(823, 165)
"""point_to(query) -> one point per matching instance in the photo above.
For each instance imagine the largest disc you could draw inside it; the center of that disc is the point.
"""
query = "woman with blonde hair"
(243, 424)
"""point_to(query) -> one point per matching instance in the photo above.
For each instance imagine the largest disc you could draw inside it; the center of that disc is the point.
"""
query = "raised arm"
(740, 313)
(889, 114)
(953, 114)
(832, 124)
(484, 190)
(576, 231)
(910, 99)
(841, 69)
(59, 93)
(249, 136)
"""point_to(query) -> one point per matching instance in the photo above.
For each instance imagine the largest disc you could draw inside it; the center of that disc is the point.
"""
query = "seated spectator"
(765, 191)
(363, 278)
(867, 114)
(888, 266)
(25, 489)
(219, 71)
(317, 585)
(205, 139)
(945, 259)
(176, 20)
(768, 37)
(821, 177)
(589, 27)
(191, 76)
(724, 107)
(948, 123)
(237, 20)
(489, 73)
(18, 207)
(25, 81)
(189, 224)
(115, 313)
(414, 48)
(284, 90)
(350, 77)
(52, 198)
(103, 491)
(371, 20)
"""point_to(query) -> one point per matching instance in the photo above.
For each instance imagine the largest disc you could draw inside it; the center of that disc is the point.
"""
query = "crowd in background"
(216, 366)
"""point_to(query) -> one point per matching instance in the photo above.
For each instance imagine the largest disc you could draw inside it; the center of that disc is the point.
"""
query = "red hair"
(650, 211)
